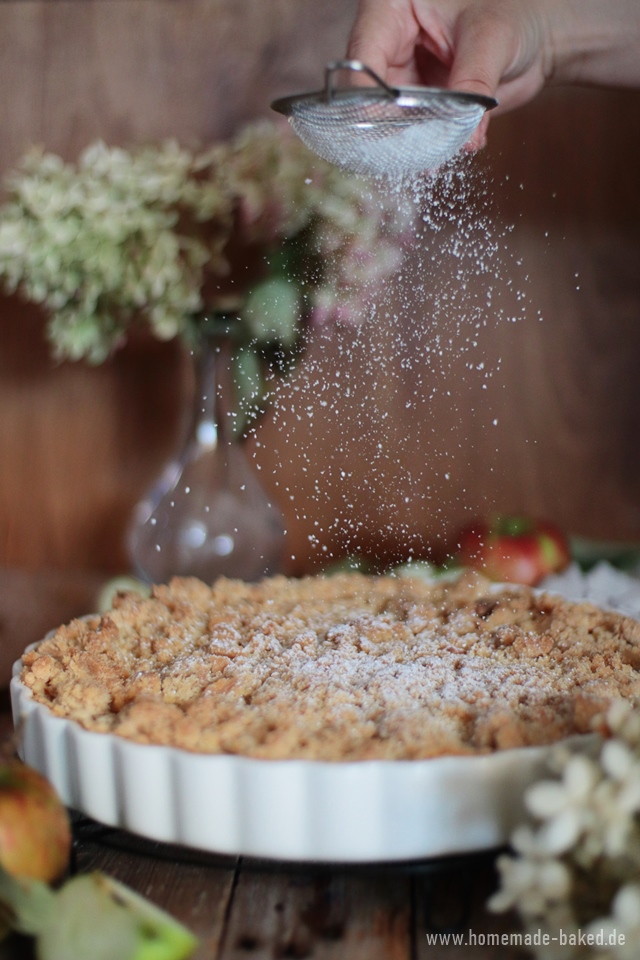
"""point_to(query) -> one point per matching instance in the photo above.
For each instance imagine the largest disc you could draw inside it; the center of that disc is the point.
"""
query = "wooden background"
(414, 449)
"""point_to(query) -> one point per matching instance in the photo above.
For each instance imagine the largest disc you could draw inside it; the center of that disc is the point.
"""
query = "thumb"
(483, 51)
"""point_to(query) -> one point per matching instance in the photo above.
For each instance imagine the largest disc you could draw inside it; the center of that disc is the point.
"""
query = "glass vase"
(207, 515)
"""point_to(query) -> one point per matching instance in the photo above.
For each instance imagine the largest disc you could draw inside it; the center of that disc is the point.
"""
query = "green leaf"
(272, 311)
(512, 526)
(350, 564)
(425, 570)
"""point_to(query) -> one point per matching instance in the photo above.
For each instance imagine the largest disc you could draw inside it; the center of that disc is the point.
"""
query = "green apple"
(97, 917)
(91, 916)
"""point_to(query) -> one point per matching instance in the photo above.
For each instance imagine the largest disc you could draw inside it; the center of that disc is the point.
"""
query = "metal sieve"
(382, 130)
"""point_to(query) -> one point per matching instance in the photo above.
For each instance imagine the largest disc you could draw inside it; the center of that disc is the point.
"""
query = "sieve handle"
(356, 65)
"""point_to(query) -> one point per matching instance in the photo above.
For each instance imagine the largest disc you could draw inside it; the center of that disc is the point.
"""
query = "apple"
(35, 833)
(91, 916)
(513, 549)
(96, 917)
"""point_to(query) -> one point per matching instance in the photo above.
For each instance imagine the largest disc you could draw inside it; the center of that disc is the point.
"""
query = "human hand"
(507, 49)
(496, 47)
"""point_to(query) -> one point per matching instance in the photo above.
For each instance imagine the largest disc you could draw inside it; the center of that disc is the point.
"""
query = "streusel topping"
(339, 668)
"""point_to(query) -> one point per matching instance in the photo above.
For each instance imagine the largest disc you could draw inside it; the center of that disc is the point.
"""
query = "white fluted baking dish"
(367, 811)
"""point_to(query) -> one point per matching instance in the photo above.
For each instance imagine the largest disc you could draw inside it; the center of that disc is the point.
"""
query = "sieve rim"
(408, 96)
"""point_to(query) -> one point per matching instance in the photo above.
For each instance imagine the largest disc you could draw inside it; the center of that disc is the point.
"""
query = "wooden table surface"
(243, 909)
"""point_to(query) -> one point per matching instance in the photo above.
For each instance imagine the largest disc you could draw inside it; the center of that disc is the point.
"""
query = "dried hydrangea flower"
(565, 806)
(99, 244)
(145, 236)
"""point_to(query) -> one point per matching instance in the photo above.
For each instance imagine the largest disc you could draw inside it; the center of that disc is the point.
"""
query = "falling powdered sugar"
(369, 441)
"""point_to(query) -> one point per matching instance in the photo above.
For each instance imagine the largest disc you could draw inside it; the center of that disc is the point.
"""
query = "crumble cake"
(348, 667)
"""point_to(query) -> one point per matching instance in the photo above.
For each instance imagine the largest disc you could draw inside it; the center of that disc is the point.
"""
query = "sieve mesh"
(381, 130)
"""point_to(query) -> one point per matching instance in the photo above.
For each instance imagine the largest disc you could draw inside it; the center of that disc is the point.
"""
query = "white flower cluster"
(124, 237)
(575, 878)
(99, 245)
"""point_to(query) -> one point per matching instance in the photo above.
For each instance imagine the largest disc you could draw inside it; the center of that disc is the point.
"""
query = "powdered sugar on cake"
(339, 668)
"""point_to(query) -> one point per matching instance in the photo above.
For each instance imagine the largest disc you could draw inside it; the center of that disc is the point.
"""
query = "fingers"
(483, 52)
(488, 46)
(384, 36)
(485, 48)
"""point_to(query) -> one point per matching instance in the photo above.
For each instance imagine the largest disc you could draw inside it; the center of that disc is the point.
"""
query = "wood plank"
(78, 441)
(392, 438)
(32, 604)
(130, 72)
(564, 159)
(329, 916)
(452, 904)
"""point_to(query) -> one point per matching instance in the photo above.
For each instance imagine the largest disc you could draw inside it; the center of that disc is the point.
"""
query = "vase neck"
(213, 392)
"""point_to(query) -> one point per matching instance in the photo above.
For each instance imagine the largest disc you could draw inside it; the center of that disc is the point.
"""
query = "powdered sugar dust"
(355, 481)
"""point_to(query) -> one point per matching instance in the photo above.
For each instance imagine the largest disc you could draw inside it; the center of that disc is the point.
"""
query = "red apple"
(35, 833)
(513, 549)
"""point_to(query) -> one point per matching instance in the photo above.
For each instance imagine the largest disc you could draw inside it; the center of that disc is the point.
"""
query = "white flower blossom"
(532, 882)
(565, 806)
(620, 932)
(578, 867)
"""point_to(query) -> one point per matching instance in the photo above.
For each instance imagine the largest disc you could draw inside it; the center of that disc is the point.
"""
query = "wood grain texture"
(413, 450)
(32, 604)
(83, 444)
(455, 901)
(320, 915)
(268, 910)
(416, 437)
(75, 441)
(133, 72)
